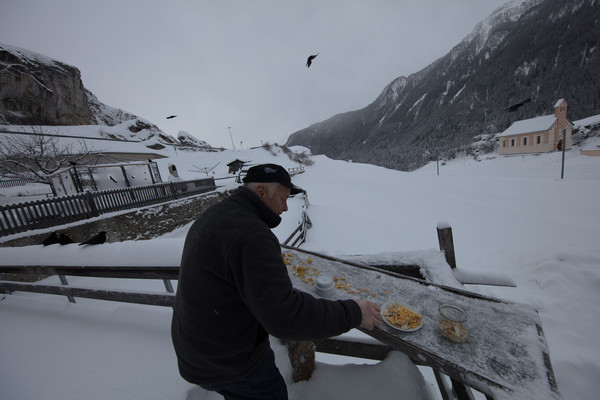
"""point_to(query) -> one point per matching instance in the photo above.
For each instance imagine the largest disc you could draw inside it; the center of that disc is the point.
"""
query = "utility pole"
(564, 146)
(233, 145)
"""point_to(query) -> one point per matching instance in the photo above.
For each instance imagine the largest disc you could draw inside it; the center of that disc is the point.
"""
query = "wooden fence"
(21, 217)
(450, 388)
(296, 170)
(6, 183)
(137, 272)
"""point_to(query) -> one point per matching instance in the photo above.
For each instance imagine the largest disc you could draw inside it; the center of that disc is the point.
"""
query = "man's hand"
(371, 314)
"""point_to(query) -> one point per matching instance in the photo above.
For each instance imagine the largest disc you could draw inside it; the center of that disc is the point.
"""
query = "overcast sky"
(240, 63)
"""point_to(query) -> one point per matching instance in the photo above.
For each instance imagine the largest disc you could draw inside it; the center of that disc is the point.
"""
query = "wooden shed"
(236, 165)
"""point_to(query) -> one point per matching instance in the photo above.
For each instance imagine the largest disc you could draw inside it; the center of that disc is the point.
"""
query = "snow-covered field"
(512, 215)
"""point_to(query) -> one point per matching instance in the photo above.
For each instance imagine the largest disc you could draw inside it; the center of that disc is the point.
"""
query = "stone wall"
(141, 224)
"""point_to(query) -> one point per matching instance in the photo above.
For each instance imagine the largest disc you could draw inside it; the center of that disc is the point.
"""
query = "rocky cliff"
(38, 91)
(35, 89)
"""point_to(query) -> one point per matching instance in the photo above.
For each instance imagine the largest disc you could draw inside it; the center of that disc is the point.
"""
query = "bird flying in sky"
(515, 107)
(171, 116)
(310, 59)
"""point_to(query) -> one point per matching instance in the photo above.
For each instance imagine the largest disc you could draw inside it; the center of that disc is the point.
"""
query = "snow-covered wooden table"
(505, 356)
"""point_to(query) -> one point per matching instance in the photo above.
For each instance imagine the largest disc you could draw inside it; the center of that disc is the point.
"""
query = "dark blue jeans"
(263, 383)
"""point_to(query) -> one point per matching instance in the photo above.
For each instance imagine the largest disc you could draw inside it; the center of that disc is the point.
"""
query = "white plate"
(411, 308)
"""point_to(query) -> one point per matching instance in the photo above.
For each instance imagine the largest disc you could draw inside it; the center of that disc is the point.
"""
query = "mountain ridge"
(539, 49)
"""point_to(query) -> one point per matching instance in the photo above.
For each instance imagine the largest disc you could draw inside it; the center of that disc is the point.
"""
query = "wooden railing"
(21, 217)
(298, 236)
(6, 183)
(296, 170)
(135, 272)
(451, 385)
(449, 388)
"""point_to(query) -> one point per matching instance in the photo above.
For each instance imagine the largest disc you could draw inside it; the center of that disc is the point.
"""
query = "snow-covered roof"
(558, 102)
(530, 125)
(589, 121)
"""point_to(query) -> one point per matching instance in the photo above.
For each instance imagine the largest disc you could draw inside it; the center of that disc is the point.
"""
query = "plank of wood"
(148, 298)
(393, 274)
(341, 347)
(134, 272)
(478, 278)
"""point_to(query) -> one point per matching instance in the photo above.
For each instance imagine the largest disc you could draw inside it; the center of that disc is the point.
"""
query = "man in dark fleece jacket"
(234, 290)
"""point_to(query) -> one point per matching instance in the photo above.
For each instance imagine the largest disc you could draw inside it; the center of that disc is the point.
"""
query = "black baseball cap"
(271, 173)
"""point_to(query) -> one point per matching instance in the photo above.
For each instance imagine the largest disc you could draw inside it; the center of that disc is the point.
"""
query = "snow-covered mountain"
(186, 138)
(36, 90)
(539, 49)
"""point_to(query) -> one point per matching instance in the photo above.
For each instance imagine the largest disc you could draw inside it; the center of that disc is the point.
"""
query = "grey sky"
(240, 63)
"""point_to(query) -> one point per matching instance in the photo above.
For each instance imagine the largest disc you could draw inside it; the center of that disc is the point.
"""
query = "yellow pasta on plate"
(401, 316)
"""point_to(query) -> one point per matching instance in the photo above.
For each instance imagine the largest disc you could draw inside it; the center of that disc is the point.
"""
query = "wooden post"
(125, 176)
(89, 199)
(302, 357)
(63, 281)
(174, 193)
(446, 243)
(168, 286)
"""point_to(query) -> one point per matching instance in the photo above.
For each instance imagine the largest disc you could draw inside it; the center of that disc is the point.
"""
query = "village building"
(95, 173)
(591, 152)
(538, 135)
(236, 165)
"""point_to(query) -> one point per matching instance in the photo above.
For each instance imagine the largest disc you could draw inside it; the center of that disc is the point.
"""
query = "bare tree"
(35, 156)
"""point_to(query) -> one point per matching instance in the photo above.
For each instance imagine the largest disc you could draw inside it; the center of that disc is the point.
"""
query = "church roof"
(537, 124)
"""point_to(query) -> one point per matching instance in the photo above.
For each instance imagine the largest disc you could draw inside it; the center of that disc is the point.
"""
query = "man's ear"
(260, 190)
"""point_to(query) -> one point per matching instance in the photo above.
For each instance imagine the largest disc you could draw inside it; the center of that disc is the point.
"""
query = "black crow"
(72, 163)
(65, 239)
(515, 107)
(52, 239)
(98, 239)
(310, 59)
(171, 116)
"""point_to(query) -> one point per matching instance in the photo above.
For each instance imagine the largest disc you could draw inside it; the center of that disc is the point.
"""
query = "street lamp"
(233, 145)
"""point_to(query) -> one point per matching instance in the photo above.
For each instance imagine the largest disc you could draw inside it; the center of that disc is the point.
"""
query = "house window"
(539, 139)
(512, 142)
(524, 141)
